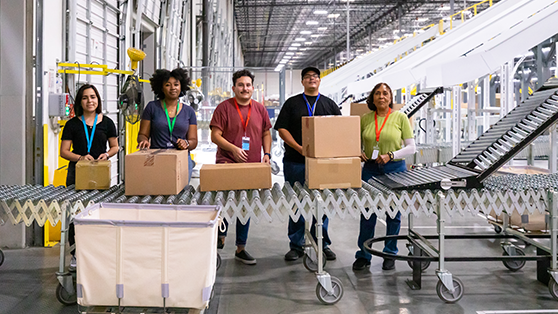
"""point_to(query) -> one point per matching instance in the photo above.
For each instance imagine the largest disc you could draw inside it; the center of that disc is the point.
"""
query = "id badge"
(170, 145)
(375, 153)
(245, 143)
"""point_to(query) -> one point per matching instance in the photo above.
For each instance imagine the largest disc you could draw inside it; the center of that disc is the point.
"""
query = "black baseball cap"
(308, 69)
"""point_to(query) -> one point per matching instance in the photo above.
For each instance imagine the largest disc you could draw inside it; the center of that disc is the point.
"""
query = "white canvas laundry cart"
(146, 255)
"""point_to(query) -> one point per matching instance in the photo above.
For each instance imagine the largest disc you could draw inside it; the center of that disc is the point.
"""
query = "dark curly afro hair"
(161, 76)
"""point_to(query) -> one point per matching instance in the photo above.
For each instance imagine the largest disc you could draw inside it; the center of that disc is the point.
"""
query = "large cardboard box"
(240, 176)
(156, 172)
(331, 136)
(93, 175)
(360, 109)
(333, 173)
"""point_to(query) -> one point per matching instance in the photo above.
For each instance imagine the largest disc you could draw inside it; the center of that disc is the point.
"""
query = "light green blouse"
(396, 129)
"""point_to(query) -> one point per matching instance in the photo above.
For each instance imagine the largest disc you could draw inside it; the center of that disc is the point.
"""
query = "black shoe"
(330, 256)
(388, 264)
(220, 243)
(244, 257)
(293, 255)
(361, 264)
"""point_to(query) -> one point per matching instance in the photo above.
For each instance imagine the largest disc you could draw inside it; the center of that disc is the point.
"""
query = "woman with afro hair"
(166, 122)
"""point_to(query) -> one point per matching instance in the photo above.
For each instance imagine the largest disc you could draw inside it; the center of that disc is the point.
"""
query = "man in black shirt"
(289, 126)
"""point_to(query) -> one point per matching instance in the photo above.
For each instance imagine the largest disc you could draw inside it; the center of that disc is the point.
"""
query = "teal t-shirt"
(396, 129)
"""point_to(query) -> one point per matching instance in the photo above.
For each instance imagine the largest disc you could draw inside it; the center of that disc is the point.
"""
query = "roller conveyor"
(417, 102)
(491, 150)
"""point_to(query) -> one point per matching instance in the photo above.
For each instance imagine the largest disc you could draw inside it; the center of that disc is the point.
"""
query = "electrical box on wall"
(59, 105)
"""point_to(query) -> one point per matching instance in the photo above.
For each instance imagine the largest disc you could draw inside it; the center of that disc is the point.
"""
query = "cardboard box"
(331, 136)
(156, 172)
(333, 173)
(240, 176)
(93, 175)
(360, 109)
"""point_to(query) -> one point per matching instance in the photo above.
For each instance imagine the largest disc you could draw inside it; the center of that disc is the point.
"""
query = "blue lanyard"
(312, 109)
(89, 140)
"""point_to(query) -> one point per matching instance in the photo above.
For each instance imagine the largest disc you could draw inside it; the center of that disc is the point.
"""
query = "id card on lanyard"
(311, 110)
(376, 150)
(245, 139)
(171, 124)
(87, 138)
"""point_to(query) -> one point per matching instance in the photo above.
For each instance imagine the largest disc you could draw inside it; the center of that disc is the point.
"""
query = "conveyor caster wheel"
(553, 288)
(423, 265)
(64, 296)
(312, 265)
(335, 296)
(218, 261)
(497, 229)
(514, 265)
(445, 295)
(1, 257)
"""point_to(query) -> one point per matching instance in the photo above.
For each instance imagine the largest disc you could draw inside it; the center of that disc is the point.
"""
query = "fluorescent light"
(303, 49)
(307, 42)
(292, 48)
(289, 53)
(300, 39)
(444, 8)
(422, 19)
(312, 23)
(315, 36)
(333, 15)
(359, 50)
(295, 45)
(320, 12)
(300, 53)
(306, 32)
(382, 39)
(322, 28)
(279, 68)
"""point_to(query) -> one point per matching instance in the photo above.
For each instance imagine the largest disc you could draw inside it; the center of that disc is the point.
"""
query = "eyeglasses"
(309, 76)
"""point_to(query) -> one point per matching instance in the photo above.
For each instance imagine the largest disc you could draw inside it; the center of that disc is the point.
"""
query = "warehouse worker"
(87, 134)
(166, 122)
(240, 128)
(382, 132)
(289, 124)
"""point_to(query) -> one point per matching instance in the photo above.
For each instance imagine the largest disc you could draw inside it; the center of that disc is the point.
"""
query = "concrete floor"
(28, 283)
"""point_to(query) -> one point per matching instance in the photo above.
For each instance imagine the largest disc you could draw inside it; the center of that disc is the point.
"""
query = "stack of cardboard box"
(331, 145)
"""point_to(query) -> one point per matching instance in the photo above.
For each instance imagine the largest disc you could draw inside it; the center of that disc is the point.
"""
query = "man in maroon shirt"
(240, 128)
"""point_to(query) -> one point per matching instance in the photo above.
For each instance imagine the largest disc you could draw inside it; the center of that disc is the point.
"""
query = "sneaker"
(388, 264)
(293, 255)
(330, 256)
(220, 243)
(73, 264)
(361, 264)
(244, 257)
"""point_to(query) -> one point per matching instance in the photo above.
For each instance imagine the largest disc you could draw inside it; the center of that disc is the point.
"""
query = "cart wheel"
(553, 288)
(423, 265)
(497, 229)
(218, 261)
(64, 297)
(312, 265)
(448, 297)
(332, 298)
(1, 257)
(514, 265)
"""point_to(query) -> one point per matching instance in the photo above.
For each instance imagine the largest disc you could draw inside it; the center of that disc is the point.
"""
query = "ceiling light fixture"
(307, 42)
(312, 23)
(300, 39)
(322, 28)
(306, 32)
(289, 53)
(293, 48)
(315, 36)
(295, 45)
(320, 12)
(333, 15)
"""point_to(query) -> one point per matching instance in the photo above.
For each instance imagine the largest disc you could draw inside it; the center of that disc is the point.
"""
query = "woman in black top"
(100, 130)
(86, 146)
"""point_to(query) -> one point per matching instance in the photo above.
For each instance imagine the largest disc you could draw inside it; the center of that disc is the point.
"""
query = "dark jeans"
(368, 226)
(294, 172)
(241, 231)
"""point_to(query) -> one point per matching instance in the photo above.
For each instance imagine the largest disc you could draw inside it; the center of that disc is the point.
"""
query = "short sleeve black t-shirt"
(290, 119)
(74, 131)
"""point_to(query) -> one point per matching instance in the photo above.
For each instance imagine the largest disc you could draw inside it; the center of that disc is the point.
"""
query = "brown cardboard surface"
(156, 172)
(331, 136)
(93, 175)
(240, 176)
(333, 173)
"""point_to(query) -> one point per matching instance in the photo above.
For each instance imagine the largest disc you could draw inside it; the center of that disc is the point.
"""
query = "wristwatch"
(268, 154)
(390, 154)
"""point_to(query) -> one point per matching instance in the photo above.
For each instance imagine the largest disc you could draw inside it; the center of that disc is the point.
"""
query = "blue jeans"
(368, 226)
(294, 172)
(241, 231)
(191, 165)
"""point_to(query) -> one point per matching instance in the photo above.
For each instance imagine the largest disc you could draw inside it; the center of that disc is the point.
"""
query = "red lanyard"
(376, 119)
(244, 125)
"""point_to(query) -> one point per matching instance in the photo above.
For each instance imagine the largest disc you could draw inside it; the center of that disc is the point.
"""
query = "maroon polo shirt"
(226, 118)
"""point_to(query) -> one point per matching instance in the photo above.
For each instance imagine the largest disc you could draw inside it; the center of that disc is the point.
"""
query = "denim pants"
(295, 171)
(367, 226)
